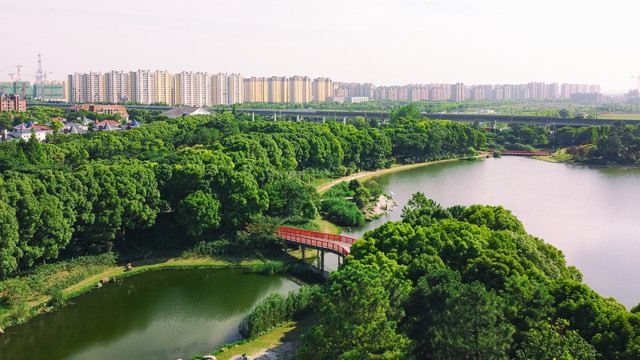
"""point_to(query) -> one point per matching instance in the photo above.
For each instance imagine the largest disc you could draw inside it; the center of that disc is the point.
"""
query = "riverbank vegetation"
(602, 144)
(350, 204)
(464, 282)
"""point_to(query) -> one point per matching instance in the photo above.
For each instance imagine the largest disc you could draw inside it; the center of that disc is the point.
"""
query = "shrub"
(343, 212)
(211, 248)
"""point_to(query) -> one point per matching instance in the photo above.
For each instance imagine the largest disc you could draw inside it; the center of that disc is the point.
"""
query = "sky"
(391, 42)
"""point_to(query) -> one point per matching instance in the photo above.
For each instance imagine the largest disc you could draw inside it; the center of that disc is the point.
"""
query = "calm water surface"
(166, 314)
(592, 215)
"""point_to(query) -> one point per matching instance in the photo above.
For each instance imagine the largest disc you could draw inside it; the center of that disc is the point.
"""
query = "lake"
(591, 214)
(165, 314)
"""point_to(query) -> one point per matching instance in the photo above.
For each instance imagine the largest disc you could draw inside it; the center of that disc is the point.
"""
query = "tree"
(56, 125)
(198, 212)
(292, 197)
(9, 250)
(555, 341)
(356, 310)
(472, 326)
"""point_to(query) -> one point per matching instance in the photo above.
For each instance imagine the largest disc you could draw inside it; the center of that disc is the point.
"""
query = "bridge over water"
(323, 242)
(323, 115)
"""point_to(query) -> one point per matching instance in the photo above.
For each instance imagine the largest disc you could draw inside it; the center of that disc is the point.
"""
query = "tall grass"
(277, 309)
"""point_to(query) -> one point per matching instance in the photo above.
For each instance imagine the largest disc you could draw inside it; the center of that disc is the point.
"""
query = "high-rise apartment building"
(439, 92)
(458, 92)
(236, 89)
(141, 87)
(256, 89)
(553, 91)
(321, 88)
(418, 92)
(300, 89)
(227, 89)
(87, 87)
(162, 91)
(478, 93)
(117, 86)
(278, 89)
(220, 87)
(193, 89)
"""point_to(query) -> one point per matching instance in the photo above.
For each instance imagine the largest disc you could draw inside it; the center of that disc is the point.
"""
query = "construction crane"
(11, 75)
(18, 67)
(637, 77)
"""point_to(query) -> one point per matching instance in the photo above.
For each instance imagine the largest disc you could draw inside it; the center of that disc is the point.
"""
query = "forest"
(204, 176)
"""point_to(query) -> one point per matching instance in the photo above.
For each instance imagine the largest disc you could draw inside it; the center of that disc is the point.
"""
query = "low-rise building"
(101, 109)
(185, 111)
(12, 102)
(25, 133)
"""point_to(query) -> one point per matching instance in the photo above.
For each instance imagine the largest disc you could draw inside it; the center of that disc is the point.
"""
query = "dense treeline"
(176, 182)
(531, 107)
(464, 283)
(617, 142)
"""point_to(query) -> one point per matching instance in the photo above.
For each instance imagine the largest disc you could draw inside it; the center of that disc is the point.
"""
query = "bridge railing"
(317, 235)
(318, 243)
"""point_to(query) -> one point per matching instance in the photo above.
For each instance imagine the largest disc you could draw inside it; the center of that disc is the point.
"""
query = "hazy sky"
(392, 42)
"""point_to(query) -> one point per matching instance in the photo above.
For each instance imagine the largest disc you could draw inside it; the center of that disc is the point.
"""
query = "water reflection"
(162, 314)
(590, 214)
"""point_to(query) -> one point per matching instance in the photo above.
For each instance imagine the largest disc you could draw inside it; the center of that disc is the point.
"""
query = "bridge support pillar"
(322, 261)
(303, 248)
(324, 119)
(253, 117)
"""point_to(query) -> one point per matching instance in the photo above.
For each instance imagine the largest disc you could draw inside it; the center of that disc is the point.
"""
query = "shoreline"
(40, 305)
(364, 175)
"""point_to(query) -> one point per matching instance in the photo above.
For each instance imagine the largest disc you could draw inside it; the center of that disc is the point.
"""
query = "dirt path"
(368, 174)
(284, 351)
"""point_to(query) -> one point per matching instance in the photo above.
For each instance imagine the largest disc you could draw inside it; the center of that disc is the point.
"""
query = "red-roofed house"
(39, 127)
(101, 109)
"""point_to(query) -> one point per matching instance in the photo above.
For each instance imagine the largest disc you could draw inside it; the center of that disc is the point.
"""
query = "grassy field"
(619, 116)
(560, 156)
(326, 226)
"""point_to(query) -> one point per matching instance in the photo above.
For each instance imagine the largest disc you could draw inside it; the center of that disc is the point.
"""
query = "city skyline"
(403, 42)
(205, 89)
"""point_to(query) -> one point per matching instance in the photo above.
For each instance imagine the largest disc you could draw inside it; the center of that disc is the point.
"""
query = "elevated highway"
(323, 115)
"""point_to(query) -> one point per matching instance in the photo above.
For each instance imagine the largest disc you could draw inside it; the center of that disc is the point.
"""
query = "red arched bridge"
(336, 244)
